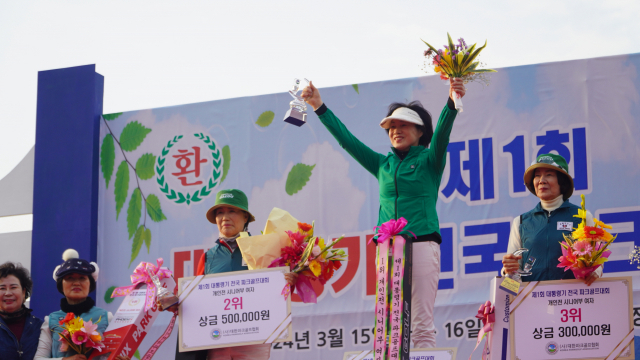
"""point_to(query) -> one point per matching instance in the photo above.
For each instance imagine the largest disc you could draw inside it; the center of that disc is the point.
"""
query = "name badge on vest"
(565, 225)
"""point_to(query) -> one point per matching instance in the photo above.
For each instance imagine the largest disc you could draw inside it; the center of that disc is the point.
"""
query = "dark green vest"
(539, 233)
(220, 260)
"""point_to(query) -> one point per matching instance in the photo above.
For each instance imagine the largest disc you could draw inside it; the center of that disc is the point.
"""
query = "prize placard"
(233, 309)
(414, 354)
(569, 320)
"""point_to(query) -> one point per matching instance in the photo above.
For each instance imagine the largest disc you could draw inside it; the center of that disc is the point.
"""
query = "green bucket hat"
(548, 161)
(231, 197)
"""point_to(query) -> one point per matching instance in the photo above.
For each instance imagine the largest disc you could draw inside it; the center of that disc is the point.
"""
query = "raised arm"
(368, 158)
(442, 132)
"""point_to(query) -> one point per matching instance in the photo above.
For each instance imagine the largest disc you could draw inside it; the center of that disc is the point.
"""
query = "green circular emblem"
(180, 197)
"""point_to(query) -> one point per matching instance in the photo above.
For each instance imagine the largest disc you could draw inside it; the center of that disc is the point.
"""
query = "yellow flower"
(601, 224)
(579, 233)
(75, 325)
(437, 69)
(582, 214)
(315, 267)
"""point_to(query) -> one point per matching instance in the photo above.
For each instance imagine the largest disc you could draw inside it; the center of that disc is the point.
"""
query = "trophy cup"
(164, 297)
(526, 268)
(297, 114)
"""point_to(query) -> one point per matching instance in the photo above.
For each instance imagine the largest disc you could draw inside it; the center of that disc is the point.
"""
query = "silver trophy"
(164, 297)
(526, 269)
(297, 114)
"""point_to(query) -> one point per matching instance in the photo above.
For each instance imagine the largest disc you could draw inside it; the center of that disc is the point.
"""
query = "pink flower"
(581, 248)
(64, 346)
(567, 260)
(94, 344)
(90, 328)
(79, 337)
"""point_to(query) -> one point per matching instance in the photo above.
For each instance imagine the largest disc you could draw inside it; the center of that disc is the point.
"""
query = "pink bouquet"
(585, 250)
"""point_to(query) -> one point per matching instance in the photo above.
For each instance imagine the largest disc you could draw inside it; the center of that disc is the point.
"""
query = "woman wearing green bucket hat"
(540, 230)
(230, 213)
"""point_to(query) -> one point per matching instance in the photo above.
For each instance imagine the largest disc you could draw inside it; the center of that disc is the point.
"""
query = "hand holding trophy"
(297, 114)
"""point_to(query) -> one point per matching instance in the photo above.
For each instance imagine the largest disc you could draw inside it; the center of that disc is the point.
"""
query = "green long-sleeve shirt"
(409, 186)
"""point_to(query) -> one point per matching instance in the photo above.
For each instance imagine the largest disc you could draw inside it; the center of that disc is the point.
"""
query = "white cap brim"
(404, 114)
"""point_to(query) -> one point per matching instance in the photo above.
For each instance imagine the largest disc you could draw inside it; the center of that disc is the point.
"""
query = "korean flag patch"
(565, 225)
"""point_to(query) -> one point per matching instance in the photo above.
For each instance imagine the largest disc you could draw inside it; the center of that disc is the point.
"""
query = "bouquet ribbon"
(486, 312)
(393, 311)
(141, 276)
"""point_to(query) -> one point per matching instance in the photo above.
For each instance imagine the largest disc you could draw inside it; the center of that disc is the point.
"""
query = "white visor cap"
(404, 114)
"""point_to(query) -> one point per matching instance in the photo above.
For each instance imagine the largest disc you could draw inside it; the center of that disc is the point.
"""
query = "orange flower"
(67, 318)
(304, 227)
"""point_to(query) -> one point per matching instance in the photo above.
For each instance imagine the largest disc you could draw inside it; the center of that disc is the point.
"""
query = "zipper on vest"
(395, 182)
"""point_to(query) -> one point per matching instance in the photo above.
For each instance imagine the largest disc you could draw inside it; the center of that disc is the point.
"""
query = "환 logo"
(216, 334)
(552, 348)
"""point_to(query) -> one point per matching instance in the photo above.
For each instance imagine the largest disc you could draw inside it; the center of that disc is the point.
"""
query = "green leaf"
(144, 166)
(107, 158)
(226, 156)
(473, 56)
(132, 135)
(484, 70)
(147, 239)
(298, 177)
(107, 296)
(121, 187)
(153, 208)
(355, 87)
(138, 239)
(430, 47)
(451, 44)
(111, 116)
(134, 212)
(265, 119)
(137, 354)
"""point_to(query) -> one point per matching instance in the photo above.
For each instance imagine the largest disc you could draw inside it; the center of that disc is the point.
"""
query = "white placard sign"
(568, 320)
(414, 354)
(233, 309)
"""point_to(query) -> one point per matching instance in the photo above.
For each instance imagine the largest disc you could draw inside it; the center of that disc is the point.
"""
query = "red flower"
(337, 264)
(304, 227)
(295, 237)
(70, 316)
(592, 232)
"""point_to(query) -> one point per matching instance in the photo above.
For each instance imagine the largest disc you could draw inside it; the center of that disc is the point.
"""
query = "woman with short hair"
(19, 330)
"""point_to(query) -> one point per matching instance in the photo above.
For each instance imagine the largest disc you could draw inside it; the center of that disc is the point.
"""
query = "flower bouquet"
(457, 61)
(310, 258)
(586, 248)
(287, 242)
(79, 335)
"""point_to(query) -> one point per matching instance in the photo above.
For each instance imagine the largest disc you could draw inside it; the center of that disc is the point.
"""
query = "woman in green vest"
(408, 178)
(230, 213)
(541, 229)
(75, 279)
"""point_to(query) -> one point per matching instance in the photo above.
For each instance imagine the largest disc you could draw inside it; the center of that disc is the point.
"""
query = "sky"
(162, 53)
